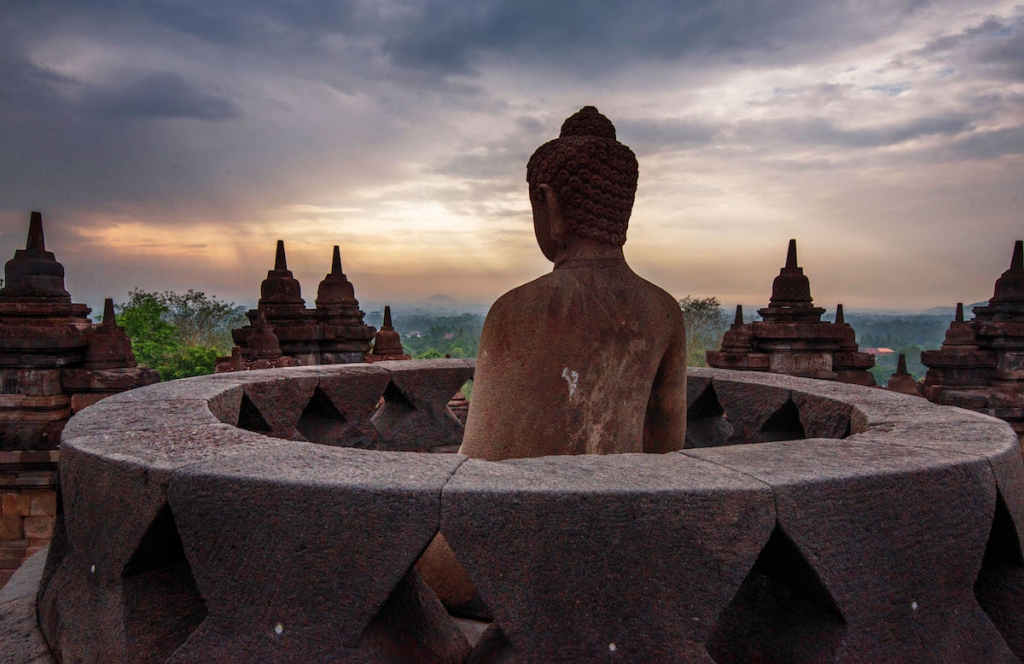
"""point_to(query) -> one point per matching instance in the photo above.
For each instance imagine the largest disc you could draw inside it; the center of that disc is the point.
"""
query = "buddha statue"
(589, 358)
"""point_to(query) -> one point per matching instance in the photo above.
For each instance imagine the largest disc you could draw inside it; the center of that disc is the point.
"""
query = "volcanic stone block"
(114, 493)
(876, 545)
(748, 407)
(140, 416)
(602, 558)
(822, 417)
(23, 642)
(353, 396)
(15, 504)
(706, 425)
(280, 402)
(415, 415)
(349, 523)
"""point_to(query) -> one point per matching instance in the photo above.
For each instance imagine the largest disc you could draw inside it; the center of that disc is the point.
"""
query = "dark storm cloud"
(819, 131)
(593, 36)
(449, 35)
(994, 47)
(991, 26)
(159, 95)
(986, 145)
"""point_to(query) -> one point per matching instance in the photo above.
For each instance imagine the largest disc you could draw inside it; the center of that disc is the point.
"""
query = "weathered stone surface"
(750, 407)
(22, 641)
(371, 513)
(915, 596)
(126, 552)
(575, 525)
(415, 415)
(353, 399)
(804, 550)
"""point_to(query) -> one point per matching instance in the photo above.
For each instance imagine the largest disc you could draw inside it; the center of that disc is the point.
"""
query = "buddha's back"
(568, 364)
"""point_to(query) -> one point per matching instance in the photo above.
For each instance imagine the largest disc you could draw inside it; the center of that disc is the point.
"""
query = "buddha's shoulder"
(526, 297)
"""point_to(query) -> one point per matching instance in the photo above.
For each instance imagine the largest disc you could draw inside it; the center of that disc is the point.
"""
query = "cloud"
(161, 95)
(823, 132)
(390, 126)
(993, 48)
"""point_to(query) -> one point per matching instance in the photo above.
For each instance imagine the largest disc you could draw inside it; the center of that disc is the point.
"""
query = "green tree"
(179, 335)
(705, 325)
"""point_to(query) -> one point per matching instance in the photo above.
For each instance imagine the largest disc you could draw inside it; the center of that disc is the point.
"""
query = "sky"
(169, 144)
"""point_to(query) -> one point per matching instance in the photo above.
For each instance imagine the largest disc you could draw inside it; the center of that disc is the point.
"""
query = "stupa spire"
(739, 315)
(1017, 262)
(109, 319)
(336, 261)
(959, 312)
(280, 261)
(387, 318)
(791, 255)
(840, 318)
(36, 241)
(901, 365)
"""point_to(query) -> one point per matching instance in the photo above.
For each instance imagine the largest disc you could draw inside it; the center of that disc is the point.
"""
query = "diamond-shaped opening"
(459, 403)
(1000, 584)
(162, 605)
(448, 580)
(706, 425)
(784, 424)
(446, 576)
(782, 612)
(394, 405)
(249, 417)
(492, 647)
(413, 626)
(321, 421)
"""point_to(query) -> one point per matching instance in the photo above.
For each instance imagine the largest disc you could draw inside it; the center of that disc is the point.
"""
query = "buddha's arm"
(665, 424)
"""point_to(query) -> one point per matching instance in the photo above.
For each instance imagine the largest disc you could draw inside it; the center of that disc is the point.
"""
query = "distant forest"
(426, 335)
(908, 334)
(182, 334)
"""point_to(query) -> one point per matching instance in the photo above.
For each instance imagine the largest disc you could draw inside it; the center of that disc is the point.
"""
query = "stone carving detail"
(53, 363)
(981, 363)
(792, 339)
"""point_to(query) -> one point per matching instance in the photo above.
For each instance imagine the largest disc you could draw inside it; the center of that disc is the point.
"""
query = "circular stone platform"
(809, 521)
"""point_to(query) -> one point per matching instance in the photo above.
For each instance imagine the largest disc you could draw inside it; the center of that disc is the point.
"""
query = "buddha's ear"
(556, 222)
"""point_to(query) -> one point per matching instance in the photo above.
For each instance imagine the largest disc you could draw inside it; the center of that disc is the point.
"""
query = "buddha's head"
(582, 184)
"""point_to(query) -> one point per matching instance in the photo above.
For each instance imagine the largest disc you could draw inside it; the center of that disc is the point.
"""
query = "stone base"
(370, 358)
(28, 506)
(21, 640)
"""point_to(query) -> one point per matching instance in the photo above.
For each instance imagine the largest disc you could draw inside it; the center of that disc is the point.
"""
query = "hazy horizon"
(169, 147)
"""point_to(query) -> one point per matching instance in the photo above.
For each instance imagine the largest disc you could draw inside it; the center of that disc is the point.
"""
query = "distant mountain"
(441, 299)
(951, 311)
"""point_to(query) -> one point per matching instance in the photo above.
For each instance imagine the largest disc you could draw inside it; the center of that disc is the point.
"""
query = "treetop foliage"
(705, 325)
(179, 334)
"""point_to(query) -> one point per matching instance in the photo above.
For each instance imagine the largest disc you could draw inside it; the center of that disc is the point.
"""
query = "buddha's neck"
(583, 251)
